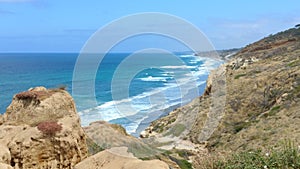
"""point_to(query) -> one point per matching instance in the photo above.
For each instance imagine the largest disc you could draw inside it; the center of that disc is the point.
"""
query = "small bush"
(33, 95)
(240, 126)
(93, 148)
(49, 128)
(274, 110)
(183, 164)
(239, 75)
(294, 63)
(26, 95)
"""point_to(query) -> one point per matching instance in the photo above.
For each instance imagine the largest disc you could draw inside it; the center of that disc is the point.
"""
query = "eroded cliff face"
(41, 129)
(262, 101)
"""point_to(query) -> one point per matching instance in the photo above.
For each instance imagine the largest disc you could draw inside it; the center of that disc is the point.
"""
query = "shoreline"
(225, 55)
(144, 122)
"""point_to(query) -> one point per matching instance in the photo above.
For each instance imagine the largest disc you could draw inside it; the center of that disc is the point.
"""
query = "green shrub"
(240, 126)
(239, 75)
(294, 63)
(274, 110)
(286, 157)
(93, 148)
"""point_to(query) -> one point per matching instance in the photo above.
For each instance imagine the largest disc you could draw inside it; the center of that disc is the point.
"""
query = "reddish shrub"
(35, 95)
(49, 128)
(26, 95)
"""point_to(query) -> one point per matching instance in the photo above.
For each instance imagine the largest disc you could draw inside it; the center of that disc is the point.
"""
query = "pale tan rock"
(4, 155)
(24, 146)
(5, 166)
(109, 160)
(40, 88)
(144, 134)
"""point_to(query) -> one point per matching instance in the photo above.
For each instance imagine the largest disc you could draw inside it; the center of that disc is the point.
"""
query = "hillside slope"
(262, 100)
(263, 95)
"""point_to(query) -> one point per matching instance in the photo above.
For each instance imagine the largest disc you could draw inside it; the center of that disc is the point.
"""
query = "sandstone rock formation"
(5, 166)
(24, 146)
(41, 130)
(118, 158)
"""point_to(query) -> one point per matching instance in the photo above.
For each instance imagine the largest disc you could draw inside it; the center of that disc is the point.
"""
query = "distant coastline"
(55, 69)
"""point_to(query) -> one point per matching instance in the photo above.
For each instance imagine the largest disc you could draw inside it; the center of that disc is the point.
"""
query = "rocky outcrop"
(108, 136)
(119, 158)
(41, 129)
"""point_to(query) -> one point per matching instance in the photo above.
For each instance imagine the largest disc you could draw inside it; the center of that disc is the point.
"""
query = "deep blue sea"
(153, 92)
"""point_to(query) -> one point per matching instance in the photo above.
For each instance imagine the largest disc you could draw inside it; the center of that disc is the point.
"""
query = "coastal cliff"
(251, 102)
(261, 109)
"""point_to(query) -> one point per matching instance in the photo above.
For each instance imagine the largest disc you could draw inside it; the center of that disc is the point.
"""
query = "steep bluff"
(261, 107)
(262, 102)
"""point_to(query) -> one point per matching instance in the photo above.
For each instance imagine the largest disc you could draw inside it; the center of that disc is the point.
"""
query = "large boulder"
(41, 129)
(119, 158)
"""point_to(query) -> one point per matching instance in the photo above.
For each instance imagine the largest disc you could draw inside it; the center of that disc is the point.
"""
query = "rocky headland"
(41, 130)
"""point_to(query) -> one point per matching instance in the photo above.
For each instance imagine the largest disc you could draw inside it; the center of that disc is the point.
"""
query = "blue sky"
(65, 25)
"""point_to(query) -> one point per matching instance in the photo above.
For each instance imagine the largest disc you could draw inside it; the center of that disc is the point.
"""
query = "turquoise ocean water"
(21, 71)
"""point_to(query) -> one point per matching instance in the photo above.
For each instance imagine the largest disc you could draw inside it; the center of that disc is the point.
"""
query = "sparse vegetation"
(119, 128)
(285, 157)
(184, 164)
(297, 89)
(239, 75)
(179, 157)
(93, 148)
(33, 95)
(294, 63)
(262, 106)
(274, 110)
(183, 153)
(176, 130)
(240, 126)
